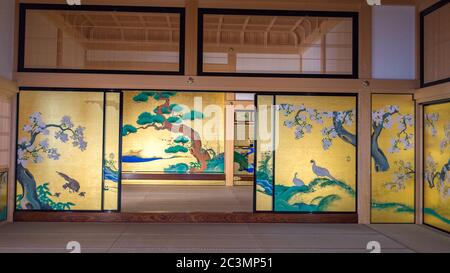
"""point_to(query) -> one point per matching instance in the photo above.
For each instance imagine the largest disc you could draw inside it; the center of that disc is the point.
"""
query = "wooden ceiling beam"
(297, 24)
(60, 23)
(272, 23)
(244, 27)
(144, 25)
(169, 25)
(268, 29)
(128, 27)
(122, 34)
(134, 46)
(219, 30)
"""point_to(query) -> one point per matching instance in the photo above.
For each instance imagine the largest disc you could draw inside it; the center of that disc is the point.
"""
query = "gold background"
(294, 155)
(112, 136)
(264, 201)
(432, 198)
(85, 109)
(379, 193)
(152, 142)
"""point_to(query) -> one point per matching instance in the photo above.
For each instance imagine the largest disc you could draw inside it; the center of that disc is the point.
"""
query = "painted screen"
(59, 155)
(315, 155)
(3, 195)
(111, 168)
(392, 154)
(173, 132)
(437, 165)
(264, 153)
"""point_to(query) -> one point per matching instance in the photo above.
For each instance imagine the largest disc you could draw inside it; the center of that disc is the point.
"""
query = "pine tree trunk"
(201, 155)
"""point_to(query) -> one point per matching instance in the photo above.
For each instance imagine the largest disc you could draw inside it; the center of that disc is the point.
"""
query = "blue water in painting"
(110, 175)
(266, 185)
(137, 159)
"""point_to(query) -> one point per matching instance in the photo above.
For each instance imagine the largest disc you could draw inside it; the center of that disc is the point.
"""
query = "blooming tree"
(432, 172)
(403, 172)
(430, 121)
(35, 147)
(445, 142)
(443, 176)
(430, 126)
(302, 119)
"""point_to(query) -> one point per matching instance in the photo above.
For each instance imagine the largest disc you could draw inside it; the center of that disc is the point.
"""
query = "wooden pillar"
(364, 159)
(301, 61)
(323, 54)
(190, 58)
(229, 144)
(12, 163)
(232, 61)
(59, 48)
(419, 163)
(365, 41)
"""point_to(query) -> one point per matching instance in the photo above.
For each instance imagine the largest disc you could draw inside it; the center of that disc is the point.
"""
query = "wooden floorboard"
(195, 217)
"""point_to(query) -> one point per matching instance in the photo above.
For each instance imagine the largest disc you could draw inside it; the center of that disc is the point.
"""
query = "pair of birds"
(317, 170)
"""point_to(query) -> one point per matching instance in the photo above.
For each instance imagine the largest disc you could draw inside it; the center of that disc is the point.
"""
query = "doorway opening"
(175, 152)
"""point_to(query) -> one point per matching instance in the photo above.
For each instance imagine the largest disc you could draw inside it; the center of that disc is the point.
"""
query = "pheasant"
(297, 181)
(320, 171)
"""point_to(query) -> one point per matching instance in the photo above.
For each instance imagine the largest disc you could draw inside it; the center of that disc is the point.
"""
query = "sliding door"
(307, 161)
(393, 166)
(436, 156)
(60, 151)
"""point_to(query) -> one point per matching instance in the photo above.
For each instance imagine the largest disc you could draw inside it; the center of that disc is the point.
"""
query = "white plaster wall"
(393, 42)
(6, 38)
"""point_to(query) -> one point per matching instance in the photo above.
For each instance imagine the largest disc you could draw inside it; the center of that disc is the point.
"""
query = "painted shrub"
(393, 170)
(436, 178)
(243, 160)
(59, 151)
(315, 158)
(173, 132)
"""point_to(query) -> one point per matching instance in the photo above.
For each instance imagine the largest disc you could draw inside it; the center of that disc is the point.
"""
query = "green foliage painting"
(175, 145)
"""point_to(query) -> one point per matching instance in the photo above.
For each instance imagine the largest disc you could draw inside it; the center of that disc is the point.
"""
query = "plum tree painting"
(174, 118)
(303, 120)
(392, 182)
(438, 176)
(305, 180)
(437, 165)
(433, 172)
(34, 149)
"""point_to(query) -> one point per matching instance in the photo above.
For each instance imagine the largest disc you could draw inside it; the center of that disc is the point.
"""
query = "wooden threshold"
(195, 217)
(171, 176)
